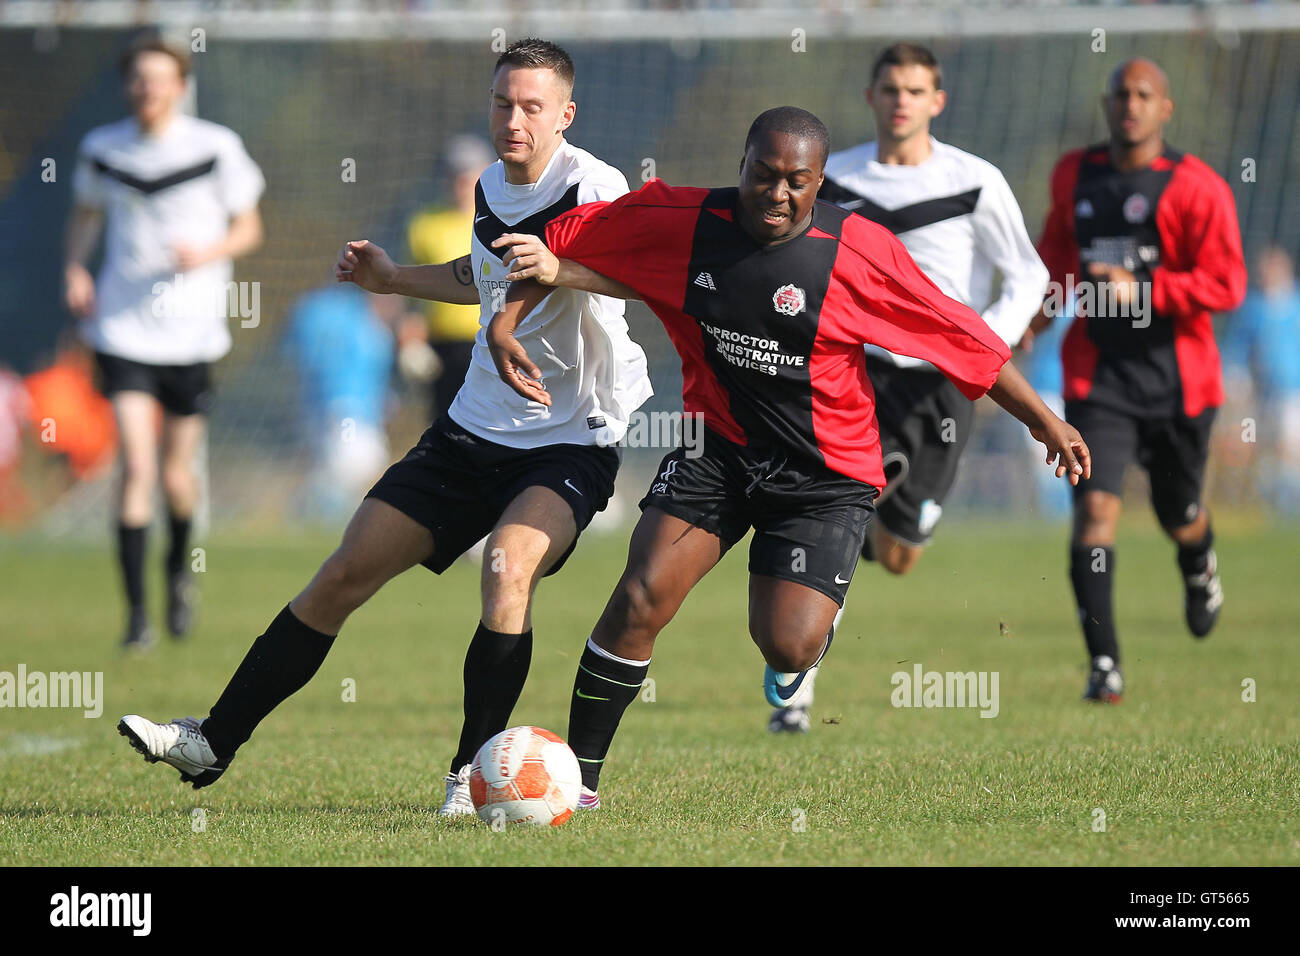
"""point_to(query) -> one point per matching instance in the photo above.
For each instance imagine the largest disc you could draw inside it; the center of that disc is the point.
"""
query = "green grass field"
(1184, 770)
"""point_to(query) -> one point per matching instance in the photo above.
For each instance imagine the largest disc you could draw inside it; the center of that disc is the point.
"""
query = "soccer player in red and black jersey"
(768, 296)
(1152, 233)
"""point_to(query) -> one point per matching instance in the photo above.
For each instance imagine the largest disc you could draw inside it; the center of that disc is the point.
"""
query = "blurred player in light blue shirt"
(341, 344)
(1039, 359)
(1261, 360)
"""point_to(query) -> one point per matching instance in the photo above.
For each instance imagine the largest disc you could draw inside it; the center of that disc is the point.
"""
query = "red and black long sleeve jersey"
(1174, 225)
(771, 337)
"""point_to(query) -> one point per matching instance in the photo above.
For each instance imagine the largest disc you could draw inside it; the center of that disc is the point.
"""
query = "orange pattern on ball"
(533, 780)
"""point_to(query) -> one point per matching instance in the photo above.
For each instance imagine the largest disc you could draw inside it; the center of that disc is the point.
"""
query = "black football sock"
(496, 666)
(601, 692)
(1193, 559)
(130, 554)
(279, 663)
(1092, 570)
(180, 543)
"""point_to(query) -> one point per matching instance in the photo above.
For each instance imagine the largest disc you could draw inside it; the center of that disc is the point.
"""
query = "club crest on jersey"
(1083, 209)
(789, 299)
(1136, 208)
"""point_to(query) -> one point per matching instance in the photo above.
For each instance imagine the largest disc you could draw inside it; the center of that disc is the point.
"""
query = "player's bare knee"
(1190, 532)
(792, 656)
(508, 568)
(1094, 533)
(785, 649)
(899, 559)
(178, 482)
(139, 471)
(1095, 520)
(341, 585)
(637, 605)
(508, 590)
(631, 602)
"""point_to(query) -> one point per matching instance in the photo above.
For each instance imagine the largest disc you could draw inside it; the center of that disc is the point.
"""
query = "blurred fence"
(676, 107)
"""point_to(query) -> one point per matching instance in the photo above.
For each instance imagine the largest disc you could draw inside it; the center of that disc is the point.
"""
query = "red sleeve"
(1057, 246)
(641, 239)
(1198, 225)
(885, 299)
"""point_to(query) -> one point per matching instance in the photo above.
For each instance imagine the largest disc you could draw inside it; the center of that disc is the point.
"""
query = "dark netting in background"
(677, 109)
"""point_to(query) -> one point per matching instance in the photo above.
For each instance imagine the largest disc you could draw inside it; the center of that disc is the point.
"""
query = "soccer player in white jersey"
(176, 199)
(960, 222)
(529, 476)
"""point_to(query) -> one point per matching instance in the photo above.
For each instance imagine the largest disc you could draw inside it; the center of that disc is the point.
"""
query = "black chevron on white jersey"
(904, 218)
(488, 227)
(151, 186)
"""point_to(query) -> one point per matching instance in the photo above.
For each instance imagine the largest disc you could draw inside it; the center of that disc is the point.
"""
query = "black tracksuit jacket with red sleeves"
(1174, 225)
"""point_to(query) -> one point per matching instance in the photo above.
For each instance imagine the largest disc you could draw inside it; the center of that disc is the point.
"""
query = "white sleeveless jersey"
(595, 374)
(156, 192)
(958, 219)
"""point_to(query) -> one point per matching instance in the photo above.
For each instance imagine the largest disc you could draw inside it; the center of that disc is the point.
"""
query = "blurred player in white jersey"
(527, 475)
(176, 199)
(958, 219)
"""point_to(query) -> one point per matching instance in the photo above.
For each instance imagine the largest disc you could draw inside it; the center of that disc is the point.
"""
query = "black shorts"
(458, 485)
(1173, 450)
(925, 422)
(809, 522)
(180, 389)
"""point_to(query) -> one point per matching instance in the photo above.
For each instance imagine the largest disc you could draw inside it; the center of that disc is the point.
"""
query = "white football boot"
(458, 803)
(180, 743)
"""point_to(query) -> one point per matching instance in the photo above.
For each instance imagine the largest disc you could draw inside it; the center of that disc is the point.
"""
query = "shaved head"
(1137, 106)
(1136, 70)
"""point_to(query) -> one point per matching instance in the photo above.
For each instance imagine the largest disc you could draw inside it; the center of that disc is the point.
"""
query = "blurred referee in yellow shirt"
(441, 234)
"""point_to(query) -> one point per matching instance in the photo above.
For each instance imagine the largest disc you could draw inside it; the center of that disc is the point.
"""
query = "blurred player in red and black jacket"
(1143, 239)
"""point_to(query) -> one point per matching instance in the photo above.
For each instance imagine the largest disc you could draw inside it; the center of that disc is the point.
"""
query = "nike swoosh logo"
(190, 753)
(570, 483)
(838, 581)
(588, 696)
(787, 691)
(480, 218)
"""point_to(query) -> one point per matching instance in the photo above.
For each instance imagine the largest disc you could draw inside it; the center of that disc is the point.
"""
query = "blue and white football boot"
(794, 691)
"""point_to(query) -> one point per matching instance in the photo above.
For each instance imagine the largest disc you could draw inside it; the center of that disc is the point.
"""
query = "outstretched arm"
(1064, 444)
(528, 258)
(369, 266)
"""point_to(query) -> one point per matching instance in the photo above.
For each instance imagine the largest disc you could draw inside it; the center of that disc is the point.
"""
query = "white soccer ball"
(525, 775)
